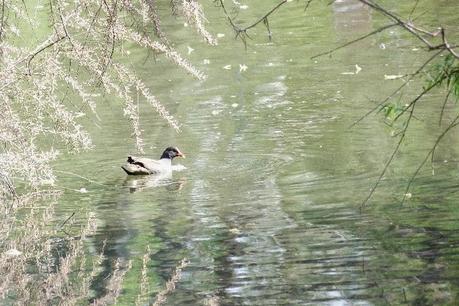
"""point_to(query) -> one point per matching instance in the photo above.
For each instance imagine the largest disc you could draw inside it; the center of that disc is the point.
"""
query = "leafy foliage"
(445, 73)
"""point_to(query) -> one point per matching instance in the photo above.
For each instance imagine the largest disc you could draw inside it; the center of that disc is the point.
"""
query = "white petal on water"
(13, 253)
(215, 112)
(83, 190)
(178, 167)
(49, 182)
(392, 76)
(234, 231)
(244, 7)
(242, 67)
(382, 46)
(220, 35)
(408, 195)
(348, 73)
(234, 105)
(206, 61)
(357, 69)
(190, 49)
(227, 67)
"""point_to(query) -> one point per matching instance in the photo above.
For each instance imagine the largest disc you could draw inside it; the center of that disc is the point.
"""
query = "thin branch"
(242, 32)
(410, 107)
(431, 153)
(41, 50)
(413, 9)
(409, 27)
(414, 30)
(153, 12)
(66, 220)
(265, 16)
(355, 40)
(444, 105)
(82, 177)
(415, 100)
(447, 45)
(2, 21)
(307, 5)
(64, 26)
(412, 76)
(386, 166)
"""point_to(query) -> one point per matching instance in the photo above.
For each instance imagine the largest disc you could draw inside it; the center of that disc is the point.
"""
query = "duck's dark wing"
(140, 165)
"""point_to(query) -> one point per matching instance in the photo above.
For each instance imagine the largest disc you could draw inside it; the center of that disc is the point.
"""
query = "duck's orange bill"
(180, 154)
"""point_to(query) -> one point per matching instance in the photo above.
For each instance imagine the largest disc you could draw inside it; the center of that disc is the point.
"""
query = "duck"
(144, 166)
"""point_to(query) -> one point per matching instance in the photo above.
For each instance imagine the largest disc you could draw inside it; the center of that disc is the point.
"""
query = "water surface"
(267, 211)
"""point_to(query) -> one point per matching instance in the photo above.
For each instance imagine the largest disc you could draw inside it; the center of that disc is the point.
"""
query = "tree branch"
(242, 32)
(355, 40)
(41, 50)
(386, 166)
(431, 153)
(412, 76)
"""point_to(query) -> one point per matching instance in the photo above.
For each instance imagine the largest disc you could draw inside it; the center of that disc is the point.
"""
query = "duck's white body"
(143, 165)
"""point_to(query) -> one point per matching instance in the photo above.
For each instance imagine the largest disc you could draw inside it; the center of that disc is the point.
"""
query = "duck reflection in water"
(139, 183)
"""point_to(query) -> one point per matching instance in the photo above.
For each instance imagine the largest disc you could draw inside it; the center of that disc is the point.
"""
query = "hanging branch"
(409, 107)
(415, 30)
(445, 101)
(307, 5)
(420, 34)
(386, 166)
(242, 32)
(2, 20)
(411, 77)
(355, 40)
(32, 56)
(431, 153)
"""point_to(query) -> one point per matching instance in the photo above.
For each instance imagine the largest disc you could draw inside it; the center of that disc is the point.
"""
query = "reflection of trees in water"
(119, 234)
(113, 238)
(351, 18)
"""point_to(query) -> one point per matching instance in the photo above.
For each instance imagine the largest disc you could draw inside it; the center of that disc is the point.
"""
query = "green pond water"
(267, 209)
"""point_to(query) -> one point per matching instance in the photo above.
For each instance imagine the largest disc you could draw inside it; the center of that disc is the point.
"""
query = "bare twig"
(242, 32)
(431, 153)
(447, 45)
(413, 9)
(41, 50)
(66, 220)
(415, 30)
(444, 105)
(415, 100)
(2, 20)
(355, 40)
(82, 177)
(411, 77)
(386, 166)
(308, 2)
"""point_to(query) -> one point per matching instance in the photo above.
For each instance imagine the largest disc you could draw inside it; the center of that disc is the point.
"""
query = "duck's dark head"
(172, 152)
